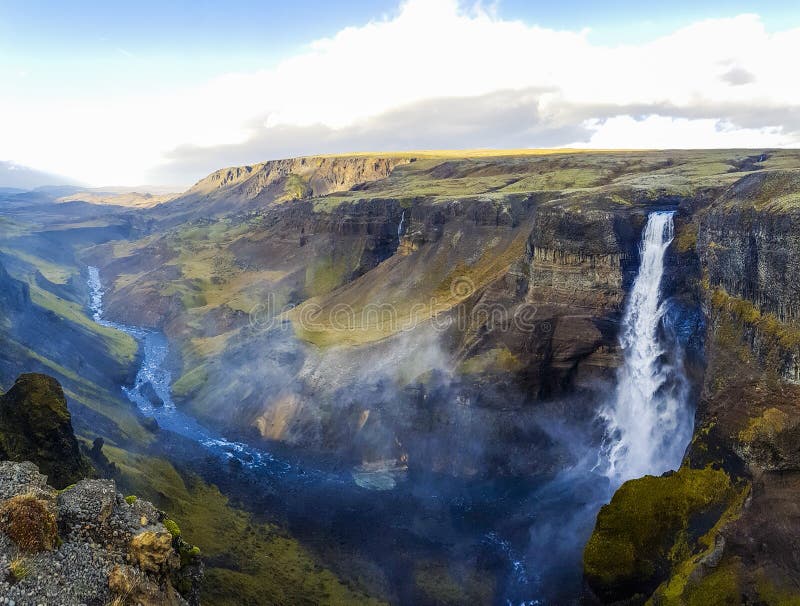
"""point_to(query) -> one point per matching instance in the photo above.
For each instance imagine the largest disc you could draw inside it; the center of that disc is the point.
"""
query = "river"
(526, 533)
(484, 520)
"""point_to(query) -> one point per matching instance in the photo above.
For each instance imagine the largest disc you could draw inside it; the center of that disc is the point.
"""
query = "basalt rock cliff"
(458, 316)
(335, 317)
(724, 527)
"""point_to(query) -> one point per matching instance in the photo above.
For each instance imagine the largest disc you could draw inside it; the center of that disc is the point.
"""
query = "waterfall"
(400, 226)
(648, 421)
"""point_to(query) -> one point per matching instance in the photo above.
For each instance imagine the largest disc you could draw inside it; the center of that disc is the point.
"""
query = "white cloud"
(433, 49)
(665, 132)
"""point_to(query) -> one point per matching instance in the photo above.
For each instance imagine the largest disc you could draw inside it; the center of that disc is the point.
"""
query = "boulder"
(152, 550)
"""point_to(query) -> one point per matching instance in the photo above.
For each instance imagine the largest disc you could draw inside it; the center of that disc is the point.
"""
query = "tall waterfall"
(648, 421)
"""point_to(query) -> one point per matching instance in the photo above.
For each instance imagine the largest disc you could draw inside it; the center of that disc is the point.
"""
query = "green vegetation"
(499, 359)
(771, 191)
(721, 586)
(210, 273)
(131, 499)
(567, 178)
(19, 568)
(294, 188)
(190, 381)
(686, 239)
(55, 273)
(29, 523)
(773, 594)
(781, 334)
(323, 275)
(84, 392)
(172, 527)
(765, 427)
(651, 526)
(121, 346)
(256, 563)
(37, 427)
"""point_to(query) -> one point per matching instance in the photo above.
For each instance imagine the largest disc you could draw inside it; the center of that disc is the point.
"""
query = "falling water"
(648, 423)
(400, 226)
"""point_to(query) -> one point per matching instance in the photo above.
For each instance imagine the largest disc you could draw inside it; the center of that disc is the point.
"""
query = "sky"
(162, 93)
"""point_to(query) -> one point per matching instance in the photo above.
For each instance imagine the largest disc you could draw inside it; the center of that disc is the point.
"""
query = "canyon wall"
(722, 528)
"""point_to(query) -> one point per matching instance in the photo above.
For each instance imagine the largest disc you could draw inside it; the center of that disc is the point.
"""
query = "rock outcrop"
(35, 425)
(277, 181)
(87, 544)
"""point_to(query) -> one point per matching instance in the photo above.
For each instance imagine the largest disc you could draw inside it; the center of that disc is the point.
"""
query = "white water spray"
(400, 226)
(648, 422)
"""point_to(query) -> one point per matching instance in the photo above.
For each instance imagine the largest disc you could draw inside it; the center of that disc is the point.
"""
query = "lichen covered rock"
(29, 523)
(92, 546)
(152, 551)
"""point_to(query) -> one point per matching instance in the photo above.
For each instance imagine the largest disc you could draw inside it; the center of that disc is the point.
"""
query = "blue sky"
(102, 65)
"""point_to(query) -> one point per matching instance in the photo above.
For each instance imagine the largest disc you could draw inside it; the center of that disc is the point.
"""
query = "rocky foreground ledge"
(87, 544)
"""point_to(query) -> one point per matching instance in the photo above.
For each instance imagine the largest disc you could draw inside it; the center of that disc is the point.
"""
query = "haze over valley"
(348, 325)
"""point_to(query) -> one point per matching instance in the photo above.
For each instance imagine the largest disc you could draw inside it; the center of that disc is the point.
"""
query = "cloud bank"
(437, 74)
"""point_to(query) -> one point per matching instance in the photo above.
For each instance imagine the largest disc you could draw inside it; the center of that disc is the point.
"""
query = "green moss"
(774, 595)
(37, 426)
(499, 359)
(650, 525)
(262, 565)
(53, 272)
(87, 393)
(784, 335)
(188, 552)
(686, 239)
(770, 191)
(190, 382)
(131, 499)
(766, 426)
(121, 346)
(325, 273)
(688, 576)
(567, 178)
(720, 587)
(294, 188)
(172, 527)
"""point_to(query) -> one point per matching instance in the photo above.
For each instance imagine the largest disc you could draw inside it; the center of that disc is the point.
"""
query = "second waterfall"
(648, 420)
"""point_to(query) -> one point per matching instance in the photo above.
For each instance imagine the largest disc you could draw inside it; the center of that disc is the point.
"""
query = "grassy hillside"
(47, 329)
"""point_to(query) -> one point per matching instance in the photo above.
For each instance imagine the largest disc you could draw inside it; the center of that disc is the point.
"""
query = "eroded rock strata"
(723, 528)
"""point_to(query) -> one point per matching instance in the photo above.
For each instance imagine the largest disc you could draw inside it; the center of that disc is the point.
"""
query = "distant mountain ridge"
(15, 176)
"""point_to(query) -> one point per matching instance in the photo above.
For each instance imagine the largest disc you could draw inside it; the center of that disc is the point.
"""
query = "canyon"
(395, 378)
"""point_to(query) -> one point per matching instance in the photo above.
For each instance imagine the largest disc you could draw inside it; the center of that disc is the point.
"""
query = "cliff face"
(279, 181)
(35, 425)
(350, 322)
(441, 312)
(722, 529)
